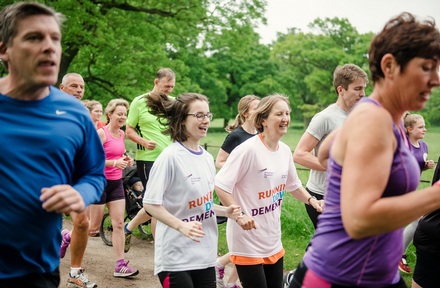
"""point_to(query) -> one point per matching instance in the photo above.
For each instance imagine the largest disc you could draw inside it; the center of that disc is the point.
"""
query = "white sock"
(74, 271)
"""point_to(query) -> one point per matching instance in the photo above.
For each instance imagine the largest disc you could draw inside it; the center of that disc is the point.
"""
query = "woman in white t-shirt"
(179, 195)
(256, 176)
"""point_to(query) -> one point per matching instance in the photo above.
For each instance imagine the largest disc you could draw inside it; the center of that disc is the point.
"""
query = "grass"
(297, 228)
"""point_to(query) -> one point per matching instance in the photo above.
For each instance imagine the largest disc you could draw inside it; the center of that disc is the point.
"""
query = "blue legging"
(261, 276)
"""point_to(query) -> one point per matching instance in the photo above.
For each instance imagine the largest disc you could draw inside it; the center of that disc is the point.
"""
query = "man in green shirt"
(145, 130)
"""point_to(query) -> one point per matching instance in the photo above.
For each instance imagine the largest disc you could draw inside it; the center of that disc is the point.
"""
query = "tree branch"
(127, 7)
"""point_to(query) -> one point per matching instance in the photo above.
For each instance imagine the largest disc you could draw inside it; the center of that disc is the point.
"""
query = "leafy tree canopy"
(118, 46)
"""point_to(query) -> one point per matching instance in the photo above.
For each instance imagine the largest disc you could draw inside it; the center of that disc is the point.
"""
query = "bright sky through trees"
(366, 16)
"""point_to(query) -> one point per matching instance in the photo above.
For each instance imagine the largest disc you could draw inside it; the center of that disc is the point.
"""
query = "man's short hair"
(165, 72)
(345, 75)
(12, 14)
(68, 75)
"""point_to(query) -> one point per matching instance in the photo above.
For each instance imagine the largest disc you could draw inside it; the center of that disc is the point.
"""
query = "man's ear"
(339, 89)
(3, 56)
(3, 51)
(2, 48)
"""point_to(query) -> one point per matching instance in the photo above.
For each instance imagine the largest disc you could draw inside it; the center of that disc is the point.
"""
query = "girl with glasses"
(179, 195)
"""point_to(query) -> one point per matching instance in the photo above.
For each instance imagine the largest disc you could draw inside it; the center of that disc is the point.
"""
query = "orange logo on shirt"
(201, 201)
(271, 192)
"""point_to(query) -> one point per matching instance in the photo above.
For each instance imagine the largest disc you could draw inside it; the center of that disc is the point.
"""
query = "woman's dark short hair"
(405, 38)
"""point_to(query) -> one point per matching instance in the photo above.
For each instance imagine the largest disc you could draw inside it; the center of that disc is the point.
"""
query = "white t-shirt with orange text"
(258, 179)
(183, 182)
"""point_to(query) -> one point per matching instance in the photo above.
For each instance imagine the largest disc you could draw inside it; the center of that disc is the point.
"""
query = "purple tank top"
(371, 261)
(421, 154)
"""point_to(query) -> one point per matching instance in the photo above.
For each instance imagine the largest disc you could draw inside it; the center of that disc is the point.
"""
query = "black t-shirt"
(427, 235)
(235, 138)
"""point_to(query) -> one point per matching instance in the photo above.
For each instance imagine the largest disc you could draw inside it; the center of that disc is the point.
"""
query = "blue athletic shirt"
(44, 143)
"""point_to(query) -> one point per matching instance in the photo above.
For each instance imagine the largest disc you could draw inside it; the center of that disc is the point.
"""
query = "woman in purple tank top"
(371, 169)
(415, 130)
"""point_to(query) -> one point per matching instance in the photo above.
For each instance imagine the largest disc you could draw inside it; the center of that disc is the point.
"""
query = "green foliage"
(308, 111)
(244, 70)
(307, 60)
(431, 113)
(118, 46)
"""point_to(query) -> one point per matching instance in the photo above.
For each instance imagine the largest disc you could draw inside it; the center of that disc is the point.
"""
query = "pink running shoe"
(65, 242)
(122, 270)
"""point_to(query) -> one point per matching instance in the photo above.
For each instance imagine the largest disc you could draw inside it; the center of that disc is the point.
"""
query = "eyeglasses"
(201, 116)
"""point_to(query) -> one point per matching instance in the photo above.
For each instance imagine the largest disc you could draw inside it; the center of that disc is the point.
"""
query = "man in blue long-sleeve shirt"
(52, 160)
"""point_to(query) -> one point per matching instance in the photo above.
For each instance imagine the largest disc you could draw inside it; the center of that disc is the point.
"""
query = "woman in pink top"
(112, 138)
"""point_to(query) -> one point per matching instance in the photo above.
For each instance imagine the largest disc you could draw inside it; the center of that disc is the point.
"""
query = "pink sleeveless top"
(114, 148)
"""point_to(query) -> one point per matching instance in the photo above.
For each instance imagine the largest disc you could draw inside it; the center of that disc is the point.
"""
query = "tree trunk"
(68, 55)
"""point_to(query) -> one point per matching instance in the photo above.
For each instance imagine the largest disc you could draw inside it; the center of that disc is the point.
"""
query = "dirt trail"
(99, 264)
